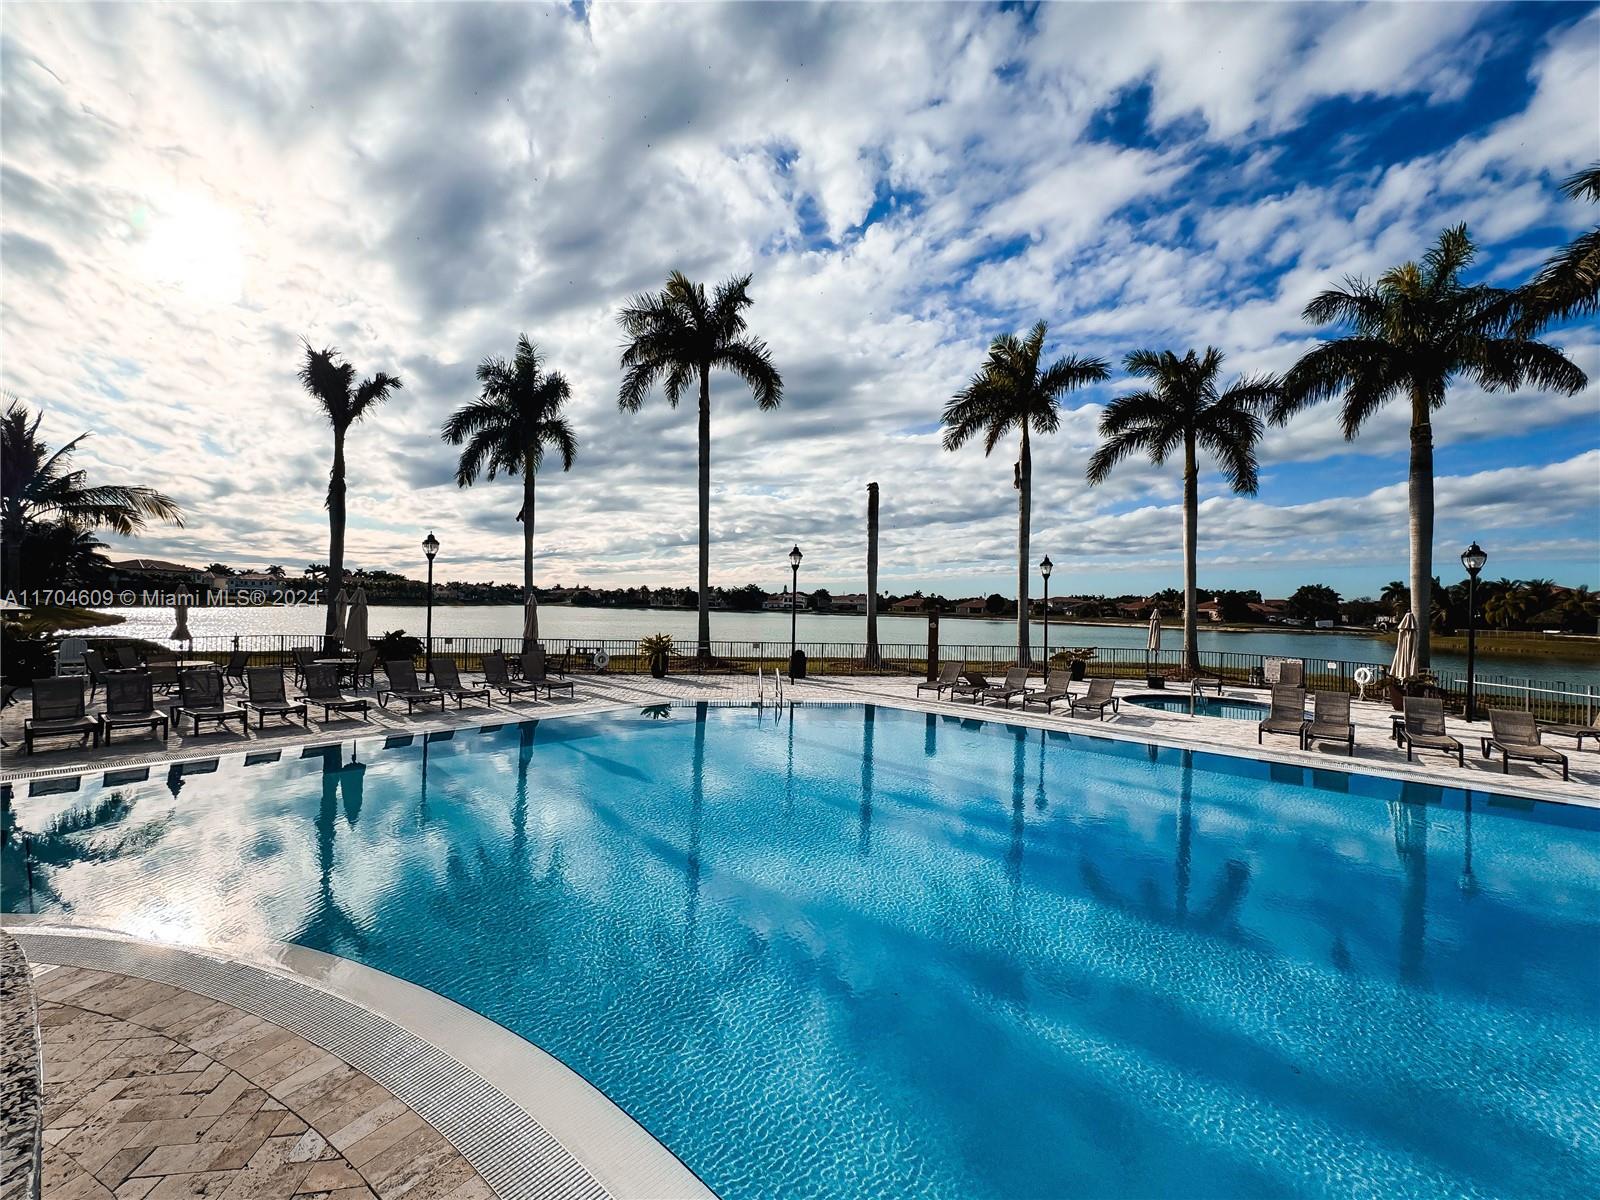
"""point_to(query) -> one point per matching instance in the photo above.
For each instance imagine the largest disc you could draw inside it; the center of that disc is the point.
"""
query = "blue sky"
(189, 191)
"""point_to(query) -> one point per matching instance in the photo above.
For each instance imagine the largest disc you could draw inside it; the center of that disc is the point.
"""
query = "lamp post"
(430, 547)
(1045, 567)
(794, 597)
(1472, 558)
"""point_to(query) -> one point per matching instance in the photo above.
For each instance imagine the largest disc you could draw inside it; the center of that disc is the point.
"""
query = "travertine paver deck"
(153, 1092)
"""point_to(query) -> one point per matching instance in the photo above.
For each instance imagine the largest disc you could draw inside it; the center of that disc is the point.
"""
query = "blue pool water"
(865, 952)
(1204, 706)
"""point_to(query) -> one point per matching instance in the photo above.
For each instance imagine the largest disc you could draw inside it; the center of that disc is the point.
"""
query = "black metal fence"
(1549, 699)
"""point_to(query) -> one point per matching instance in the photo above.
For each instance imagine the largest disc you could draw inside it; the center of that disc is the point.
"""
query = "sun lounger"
(1330, 721)
(949, 676)
(497, 674)
(1423, 729)
(447, 678)
(233, 673)
(268, 698)
(303, 657)
(1097, 699)
(533, 671)
(131, 704)
(127, 659)
(322, 689)
(1288, 713)
(1057, 687)
(403, 685)
(200, 699)
(972, 685)
(1016, 684)
(1563, 729)
(1516, 735)
(95, 666)
(59, 710)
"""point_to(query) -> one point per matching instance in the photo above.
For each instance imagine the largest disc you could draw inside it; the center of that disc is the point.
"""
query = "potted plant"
(657, 648)
(1422, 683)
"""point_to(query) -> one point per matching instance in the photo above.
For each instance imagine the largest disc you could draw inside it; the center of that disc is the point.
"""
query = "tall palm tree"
(1410, 333)
(677, 337)
(344, 402)
(1396, 597)
(1011, 392)
(1182, 409)
(507, 429)
(1569, 283)
(40, 490)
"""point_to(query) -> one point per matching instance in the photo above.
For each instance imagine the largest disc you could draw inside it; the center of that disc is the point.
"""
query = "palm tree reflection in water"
(329, 927)
(864, 839)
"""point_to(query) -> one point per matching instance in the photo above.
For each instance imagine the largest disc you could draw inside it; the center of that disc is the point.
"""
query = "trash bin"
(797, 665)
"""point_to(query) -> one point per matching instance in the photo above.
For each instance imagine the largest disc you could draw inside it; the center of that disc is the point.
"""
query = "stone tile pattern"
(20, 1095)
(153, 1092)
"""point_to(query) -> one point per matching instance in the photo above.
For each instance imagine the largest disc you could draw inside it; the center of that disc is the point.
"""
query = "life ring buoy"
(601, 660)
(1363, 676)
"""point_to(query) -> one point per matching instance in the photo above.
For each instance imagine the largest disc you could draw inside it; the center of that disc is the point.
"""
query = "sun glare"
(195, 247)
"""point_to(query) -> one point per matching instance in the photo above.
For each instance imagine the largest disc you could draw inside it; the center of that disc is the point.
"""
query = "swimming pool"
(1204, 706)
(863, 951)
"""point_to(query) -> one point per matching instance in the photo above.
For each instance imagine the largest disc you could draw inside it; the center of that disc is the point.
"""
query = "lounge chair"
(303, 657)
(1288, 713)
(403, 685)
(1098, 698)
(1057, 687)
(268, 698)
(163, 677)
(1516, 735)
(366, 666)
(322, 689)
(972, 685)
(533, 670)
(1330, 721)
(447, 678)
(200, 699)
(131, 704)
(1016, 684)
(95, 666)
(949, 676)
(1423, 729)
(497, 674)
(59, 710)
(128, 659)
(1563, 729)
(233, 673)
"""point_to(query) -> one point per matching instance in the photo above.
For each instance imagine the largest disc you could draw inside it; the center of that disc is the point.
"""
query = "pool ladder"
(761, 688)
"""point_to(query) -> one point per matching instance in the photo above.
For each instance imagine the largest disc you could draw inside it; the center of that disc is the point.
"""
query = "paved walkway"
(153, 1092)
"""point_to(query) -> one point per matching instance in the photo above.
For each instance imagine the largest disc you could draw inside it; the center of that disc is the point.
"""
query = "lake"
(560, 622)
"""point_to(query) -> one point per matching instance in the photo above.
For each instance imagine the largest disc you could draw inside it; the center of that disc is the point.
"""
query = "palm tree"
(1412, 332)
(676, 337)
(1011, 392)
(344, 402)
(40, 490)
(1183, 409)
(1396, 597)
(516, 416)
(1569, 284)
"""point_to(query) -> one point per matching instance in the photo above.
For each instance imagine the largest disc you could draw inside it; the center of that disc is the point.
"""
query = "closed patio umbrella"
(341, 610)
(180, 631)
(1405, 648)
(1153, 643)
(355, 631)
(530, 624)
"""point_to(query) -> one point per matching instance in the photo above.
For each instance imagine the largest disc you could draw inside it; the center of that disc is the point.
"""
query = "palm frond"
(751, 361)
(1585, 185)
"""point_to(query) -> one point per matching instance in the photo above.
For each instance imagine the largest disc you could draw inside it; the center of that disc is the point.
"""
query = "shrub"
(397, 644)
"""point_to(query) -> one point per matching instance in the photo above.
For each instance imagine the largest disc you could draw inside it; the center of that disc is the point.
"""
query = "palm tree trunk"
(1191, 517)
(703, 624)
(1420, 495)
(527, 544)
(874, 655)
(335, 530)
(1024, 483)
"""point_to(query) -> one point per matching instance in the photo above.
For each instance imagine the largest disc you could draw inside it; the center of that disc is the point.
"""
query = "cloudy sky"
(188, 192)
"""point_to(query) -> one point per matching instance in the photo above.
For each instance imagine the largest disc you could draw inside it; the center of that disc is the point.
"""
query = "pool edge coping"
(619, 1156)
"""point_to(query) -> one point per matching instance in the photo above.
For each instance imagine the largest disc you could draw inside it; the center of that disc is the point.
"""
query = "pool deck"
(1376, 752)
